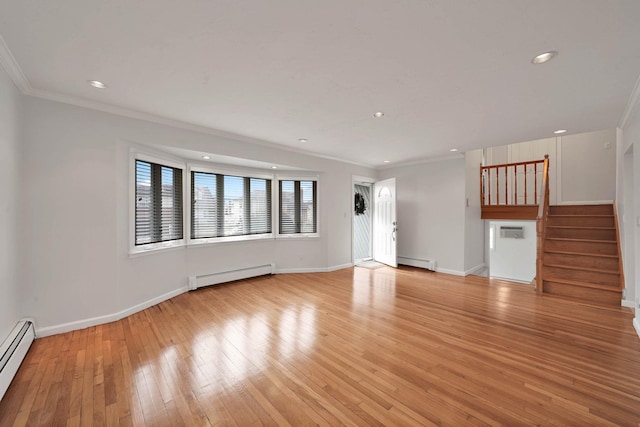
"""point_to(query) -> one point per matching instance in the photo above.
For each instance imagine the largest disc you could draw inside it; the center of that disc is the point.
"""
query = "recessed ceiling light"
(453, 150)
(274, 167)
(559, 131)
(544, 57)
(206, 157)
(378, 114)
(386, 161)
(97, 84)
(303, 140)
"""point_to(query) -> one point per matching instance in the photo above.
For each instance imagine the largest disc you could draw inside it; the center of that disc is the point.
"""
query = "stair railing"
(511, 183)
(541, 222)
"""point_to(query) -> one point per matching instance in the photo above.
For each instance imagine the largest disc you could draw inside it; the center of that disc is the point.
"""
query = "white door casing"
(385, 222)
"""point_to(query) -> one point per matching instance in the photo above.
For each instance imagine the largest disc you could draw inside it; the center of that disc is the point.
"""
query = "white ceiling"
(445, 73)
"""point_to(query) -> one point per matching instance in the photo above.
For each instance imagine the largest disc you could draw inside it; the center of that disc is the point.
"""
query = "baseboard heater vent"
(13, 351)
(428, 264)
(196, 282)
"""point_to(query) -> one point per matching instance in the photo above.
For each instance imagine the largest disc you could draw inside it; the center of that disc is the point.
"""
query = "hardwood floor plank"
(352, 347)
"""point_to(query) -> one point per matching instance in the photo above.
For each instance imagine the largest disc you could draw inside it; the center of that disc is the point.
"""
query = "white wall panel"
(10, 143)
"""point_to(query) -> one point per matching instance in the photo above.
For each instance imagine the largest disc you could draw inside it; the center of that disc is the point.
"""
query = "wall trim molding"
(339, 267)
(636, 324)
(627, 303)
(12, 68)
(452, 272)
(107, 318)
(634, 101)
(475, 269)
(422, 161)
(178, 124)
(8, 61)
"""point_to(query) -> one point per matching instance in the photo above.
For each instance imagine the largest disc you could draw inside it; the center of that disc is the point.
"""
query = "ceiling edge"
(14, 71)
(12, 68)
(634, 101)
(138, 115)
(458, 155)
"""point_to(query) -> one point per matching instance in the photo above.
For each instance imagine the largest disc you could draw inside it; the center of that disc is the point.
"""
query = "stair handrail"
(509, 170)
(541, 222)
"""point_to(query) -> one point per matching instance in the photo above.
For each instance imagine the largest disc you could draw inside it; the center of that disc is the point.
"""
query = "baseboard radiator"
(216, 278)
(13, 351)
(428, 264)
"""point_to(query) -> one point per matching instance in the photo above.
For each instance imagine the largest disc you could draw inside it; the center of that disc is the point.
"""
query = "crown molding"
(424, 160)
(138, 115)
(14, 71)
(12, 68)
(632, 104)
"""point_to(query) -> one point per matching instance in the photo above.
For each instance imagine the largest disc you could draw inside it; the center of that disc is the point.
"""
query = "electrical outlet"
(607, 145)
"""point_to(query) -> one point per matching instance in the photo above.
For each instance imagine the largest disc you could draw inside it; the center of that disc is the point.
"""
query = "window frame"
(137, 155)
(298, 236)
(228, 172)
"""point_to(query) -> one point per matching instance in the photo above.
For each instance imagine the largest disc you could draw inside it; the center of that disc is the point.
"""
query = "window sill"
(154, 248)
(298, 236)
(228, 239)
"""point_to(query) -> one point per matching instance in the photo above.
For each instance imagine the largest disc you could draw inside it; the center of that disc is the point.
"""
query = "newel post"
(541, 222)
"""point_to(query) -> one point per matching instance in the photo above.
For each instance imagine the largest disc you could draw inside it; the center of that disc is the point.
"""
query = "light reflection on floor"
(372, 288)
(226, 348)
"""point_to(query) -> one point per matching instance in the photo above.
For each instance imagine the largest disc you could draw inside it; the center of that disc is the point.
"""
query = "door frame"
(356, 179)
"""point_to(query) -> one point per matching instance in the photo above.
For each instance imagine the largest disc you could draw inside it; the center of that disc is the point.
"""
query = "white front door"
(384, 222)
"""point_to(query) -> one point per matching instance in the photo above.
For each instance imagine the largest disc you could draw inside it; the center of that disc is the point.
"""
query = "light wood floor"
(355, 347)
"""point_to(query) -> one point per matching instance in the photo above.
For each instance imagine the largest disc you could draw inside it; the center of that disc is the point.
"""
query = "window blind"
(227, 205)
(298, 207)
(158, 204)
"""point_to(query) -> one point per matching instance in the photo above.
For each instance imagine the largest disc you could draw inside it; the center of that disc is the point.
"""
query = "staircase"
(581, 257)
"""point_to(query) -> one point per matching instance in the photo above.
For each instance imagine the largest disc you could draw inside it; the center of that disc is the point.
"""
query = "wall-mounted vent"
(198, 281)
(13, 351)
(429, 264)
(512, 232)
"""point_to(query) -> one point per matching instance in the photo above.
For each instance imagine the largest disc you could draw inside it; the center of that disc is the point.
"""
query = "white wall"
(514, 259)
(76, 211)
(625, 199)
(581, 167)
(588, 167)
(10, 138)
(474, 225)
(631, 214)
(431, 212)
(527, 151)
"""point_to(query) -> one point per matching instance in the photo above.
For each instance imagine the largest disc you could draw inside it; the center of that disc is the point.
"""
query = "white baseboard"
(636, 324)
(510, 279)
(312, 269)
(452, 272)
(93, 321)
(627, 303)
(339, 267)
(478, 268)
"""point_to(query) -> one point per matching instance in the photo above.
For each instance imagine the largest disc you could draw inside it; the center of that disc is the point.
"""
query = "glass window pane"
(204, 206)
(260, 212)
(233, 206)
(144, 204)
